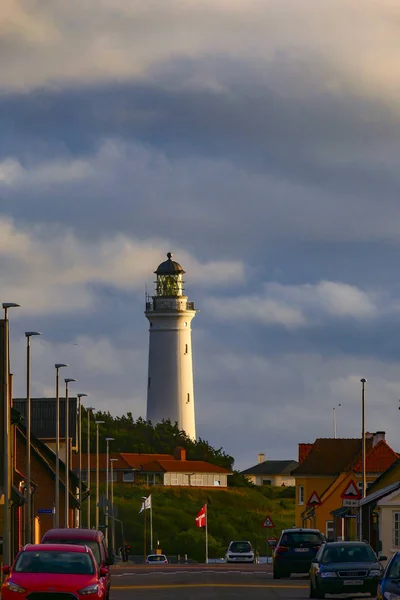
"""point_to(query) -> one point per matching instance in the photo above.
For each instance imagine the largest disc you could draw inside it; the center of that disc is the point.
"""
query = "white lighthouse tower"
(170, 390)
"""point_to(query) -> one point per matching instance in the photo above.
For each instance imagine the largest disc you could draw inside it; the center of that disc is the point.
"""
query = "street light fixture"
(28, 516)
(88, 411)
(68, 380)
(112, 461)
(108, 440)
(7, 482)
(58, 366)
(80, 396)
(97, 472)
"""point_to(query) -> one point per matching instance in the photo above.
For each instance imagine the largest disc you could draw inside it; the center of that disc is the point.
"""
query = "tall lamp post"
(67, 381)
(28, 516)
(108, 440)
(7, 483)
(88, 411)
(97, 472)
(80, 396)
(335, 422)
(112, 461)
(58, 366)
(363, 451)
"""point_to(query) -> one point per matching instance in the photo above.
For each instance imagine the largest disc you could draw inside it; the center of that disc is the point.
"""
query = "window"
(174, 479)
(186, 349)
(217, 482)
(396, 529)
(198, 480)
(360, 486)
(329, 531)
(266, 482)
(128, 476)
(300, 497)
(84, 475)
(188, 399)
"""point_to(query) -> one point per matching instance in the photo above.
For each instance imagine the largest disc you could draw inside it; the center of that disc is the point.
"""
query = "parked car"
(64, 570)
(295, 551)
(92, 538)
(345, 568)
(240, 552)
(156, 559)
(389, 586)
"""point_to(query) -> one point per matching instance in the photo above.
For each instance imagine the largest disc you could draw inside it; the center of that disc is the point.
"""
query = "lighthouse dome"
(169, 267)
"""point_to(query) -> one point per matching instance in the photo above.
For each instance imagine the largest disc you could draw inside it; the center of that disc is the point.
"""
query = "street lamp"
(28, 516)
(7, 482)
(67, 381)
(80, 396)
(88, 411)
(97, 472)
(112, 461)
(58, 366)
(334, 422)
(108, 440)
(363, 450)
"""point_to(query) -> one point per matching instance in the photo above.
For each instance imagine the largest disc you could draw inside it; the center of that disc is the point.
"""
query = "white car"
(156, 559)
(240, 552)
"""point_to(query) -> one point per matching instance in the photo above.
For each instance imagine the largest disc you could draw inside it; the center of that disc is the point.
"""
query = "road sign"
(268, 522)
(350, 503)
(45, 511)
(314, 500)
(351, 492)
(272, 541)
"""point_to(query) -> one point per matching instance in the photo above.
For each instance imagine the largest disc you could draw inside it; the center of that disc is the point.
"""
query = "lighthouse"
(170, 389)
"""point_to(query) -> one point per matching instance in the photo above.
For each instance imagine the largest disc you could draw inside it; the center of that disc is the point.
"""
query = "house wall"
(386, 508)
(198, 479)
(279, 480)
(310, 484)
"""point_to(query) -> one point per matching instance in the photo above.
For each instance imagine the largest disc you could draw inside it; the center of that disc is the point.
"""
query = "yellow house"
(326, 470)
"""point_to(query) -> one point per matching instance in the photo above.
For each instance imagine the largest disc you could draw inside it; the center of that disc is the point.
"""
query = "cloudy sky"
(258, 140)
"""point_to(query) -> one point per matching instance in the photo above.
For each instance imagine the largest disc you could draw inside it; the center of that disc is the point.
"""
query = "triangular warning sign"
(314, 500)
(351, 492)
(268, 522)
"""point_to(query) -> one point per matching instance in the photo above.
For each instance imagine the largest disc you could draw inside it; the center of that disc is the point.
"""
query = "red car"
(58, 570)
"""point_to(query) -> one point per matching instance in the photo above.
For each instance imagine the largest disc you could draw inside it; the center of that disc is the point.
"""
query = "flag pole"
(145, 520)
(206, 534)
(151, 525)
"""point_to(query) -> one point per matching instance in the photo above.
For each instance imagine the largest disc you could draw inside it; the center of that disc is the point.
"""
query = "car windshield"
(301, 537)
(54, 562)
(348, 553)
(156, 558)
(393, 571)
(92, 544)
(240, 547)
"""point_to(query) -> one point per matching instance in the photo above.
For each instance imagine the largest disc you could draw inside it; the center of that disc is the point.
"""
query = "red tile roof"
(329, 456)
(135, 461)
(378, 459)
(119, 464)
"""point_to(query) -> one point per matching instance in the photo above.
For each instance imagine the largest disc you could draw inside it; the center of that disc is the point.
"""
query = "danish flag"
(202, 517)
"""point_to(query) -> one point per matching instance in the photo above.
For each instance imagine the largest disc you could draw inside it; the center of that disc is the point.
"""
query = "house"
(155, 469)
(326, 469)
(381, 511)
(271, 472)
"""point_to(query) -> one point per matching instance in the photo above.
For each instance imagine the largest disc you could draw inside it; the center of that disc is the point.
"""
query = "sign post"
(269, 524)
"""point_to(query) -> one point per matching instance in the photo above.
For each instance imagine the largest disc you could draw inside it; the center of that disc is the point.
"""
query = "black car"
(389, 586)
(345, 568)
(295, 551)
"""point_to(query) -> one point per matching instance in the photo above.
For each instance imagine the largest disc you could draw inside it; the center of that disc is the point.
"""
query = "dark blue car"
(389, 586)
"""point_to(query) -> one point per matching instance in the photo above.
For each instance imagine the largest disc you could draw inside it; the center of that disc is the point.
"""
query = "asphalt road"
(201, 582)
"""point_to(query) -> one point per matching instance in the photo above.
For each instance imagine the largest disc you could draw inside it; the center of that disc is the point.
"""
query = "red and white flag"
(202, 517)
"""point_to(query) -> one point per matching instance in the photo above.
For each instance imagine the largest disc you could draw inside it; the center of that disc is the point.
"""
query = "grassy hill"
(233, 513)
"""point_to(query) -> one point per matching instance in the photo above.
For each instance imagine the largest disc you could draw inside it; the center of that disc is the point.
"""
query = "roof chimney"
(304, 450)
(261, 458)
(378, 437)
(180, 453)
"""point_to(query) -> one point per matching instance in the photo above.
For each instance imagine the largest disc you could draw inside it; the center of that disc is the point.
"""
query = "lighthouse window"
(186, 349)
(188, 399)
(185, 324)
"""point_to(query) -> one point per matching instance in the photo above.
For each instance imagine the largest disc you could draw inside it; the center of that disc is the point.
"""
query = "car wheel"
(319, 594)
(374, 591)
